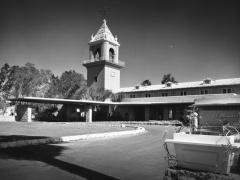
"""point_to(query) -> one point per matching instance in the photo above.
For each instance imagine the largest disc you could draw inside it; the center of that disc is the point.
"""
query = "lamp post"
(78, 112)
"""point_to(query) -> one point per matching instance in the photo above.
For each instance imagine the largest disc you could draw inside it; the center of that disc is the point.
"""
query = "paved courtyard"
(126, 157)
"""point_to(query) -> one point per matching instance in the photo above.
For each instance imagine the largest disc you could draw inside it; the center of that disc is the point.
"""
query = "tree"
(7, 80)
(54, 88)
(23, 80)
(29, 81)
(41, 83)
(72, 85)
(99, 94)
(6, 83)
(146, 83)
(118, 97)
(168, 78)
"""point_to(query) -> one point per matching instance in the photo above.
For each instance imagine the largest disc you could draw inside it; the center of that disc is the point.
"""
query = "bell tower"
(103, 66)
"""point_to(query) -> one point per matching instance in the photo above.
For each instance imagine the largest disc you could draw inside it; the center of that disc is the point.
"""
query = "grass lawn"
(13, 131)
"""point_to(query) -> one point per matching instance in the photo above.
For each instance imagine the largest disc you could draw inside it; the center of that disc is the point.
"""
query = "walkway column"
(146, 113)
(24, 113)
(29, 111)
(88, 112)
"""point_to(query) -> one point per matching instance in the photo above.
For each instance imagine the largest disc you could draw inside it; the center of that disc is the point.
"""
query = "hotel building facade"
(167, 101)
(154, 102)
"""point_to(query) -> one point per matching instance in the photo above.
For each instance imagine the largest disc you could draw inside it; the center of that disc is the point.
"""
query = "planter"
(204, 152)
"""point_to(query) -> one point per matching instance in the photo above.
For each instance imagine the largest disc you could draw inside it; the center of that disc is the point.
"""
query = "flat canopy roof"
(57, 101)
(87, 102)
(198, 100)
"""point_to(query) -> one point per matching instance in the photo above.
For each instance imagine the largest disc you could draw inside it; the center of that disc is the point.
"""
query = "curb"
(22, 143)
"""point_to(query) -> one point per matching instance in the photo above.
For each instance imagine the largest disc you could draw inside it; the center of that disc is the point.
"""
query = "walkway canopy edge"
(87, 102)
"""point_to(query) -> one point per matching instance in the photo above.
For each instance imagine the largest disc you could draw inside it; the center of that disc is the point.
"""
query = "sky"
(191, 39)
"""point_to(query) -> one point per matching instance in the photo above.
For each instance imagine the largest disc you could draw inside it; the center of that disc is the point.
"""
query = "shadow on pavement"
(10, 138)
(48, 154)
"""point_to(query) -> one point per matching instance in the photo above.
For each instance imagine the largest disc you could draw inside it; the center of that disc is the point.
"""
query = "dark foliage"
(168, 78)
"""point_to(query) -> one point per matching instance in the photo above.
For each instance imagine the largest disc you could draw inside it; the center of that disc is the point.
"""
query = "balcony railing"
(120, 63)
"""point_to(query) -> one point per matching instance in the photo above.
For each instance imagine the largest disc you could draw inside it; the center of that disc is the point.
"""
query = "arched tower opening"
(97, 54)
(111, 55)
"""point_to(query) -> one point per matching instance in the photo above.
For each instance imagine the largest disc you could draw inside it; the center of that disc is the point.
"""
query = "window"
(227, 90)
(204, 91)
(137, 86)
(132, 96)
(183, 93)
(168, 84)
(113, 74)
(147, 95)
(207, 82)
(95, 78)
(164, 94)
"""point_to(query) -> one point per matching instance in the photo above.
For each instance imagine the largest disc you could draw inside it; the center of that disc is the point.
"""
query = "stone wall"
(22, 113)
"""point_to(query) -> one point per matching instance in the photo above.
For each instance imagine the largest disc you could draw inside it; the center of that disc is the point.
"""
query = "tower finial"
(104, 11)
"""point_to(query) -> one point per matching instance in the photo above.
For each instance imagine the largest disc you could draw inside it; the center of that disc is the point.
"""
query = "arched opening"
(111, 55)
(97, 54)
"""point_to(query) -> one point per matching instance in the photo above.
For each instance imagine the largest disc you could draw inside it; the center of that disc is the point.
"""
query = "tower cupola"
(103, 66)
(103, 46)
(104, 34)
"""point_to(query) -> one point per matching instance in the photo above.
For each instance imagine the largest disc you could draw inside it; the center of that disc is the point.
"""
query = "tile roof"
(183, 85)
(177, 99)
(104, 33)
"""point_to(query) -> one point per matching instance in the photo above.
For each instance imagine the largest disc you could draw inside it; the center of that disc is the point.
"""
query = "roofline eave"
(87, 102)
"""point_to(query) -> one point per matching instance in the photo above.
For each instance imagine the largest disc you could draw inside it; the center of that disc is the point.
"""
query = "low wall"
(174, 174)
(7, 118)
(219, 115)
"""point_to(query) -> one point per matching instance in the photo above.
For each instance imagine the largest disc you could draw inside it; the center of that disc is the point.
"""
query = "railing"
(120, 63)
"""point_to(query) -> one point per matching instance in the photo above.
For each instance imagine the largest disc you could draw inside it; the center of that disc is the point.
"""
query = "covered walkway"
(130, 109)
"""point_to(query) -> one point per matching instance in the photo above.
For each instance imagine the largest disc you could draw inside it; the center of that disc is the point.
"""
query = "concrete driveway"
(127, 157)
